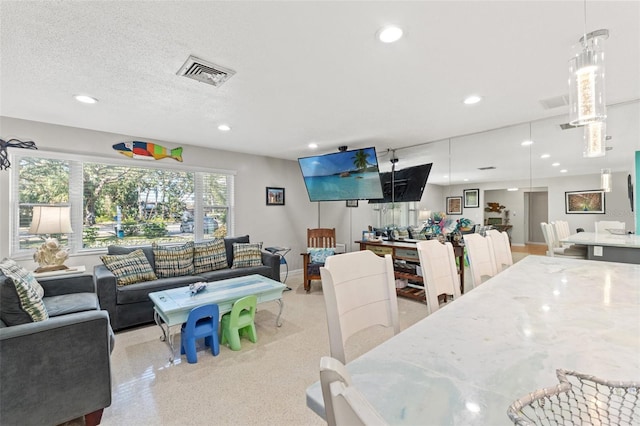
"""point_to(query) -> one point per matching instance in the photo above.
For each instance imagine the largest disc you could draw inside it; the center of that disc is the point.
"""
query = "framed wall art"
(454, 205)
(471, 198)
(275, 196)
(584, 202)
(352, 203)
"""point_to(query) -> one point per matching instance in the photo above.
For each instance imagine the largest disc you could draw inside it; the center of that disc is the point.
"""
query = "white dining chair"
(439, 272)
(482, 261)
(562, 231)
(359, 292)
(576, 252)
(603, 225)
(501, 249)
(343, 403)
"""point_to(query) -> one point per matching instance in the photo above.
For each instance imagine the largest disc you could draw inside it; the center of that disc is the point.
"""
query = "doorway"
(537, 206)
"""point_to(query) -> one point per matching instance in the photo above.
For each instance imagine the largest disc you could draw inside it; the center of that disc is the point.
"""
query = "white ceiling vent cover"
(205, 72)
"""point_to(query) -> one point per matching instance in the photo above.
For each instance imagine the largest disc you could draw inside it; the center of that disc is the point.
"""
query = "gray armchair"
(58, 369)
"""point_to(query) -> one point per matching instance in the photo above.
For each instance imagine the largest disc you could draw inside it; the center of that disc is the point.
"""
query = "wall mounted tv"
(408, 184)
(344, 175)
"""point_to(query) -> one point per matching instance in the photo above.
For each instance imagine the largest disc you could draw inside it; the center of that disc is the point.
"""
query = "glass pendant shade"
(594, 139)
(605, 180)
(586, 81)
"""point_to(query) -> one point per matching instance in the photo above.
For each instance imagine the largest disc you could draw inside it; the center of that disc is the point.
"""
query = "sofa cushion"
(209, 256)
(129, 268)
(147, 250)
(319, 255)
(10, 268)
(223, 274)
(246, 255)
(228, 246)
(173, 261)
(139, 292)
(20, 303)
(71, 303)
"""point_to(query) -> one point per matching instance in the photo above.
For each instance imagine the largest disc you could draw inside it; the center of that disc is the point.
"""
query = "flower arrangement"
(50, 253)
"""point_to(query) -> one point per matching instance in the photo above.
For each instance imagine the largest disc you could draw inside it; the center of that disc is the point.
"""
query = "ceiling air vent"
(487, 168)
(205, 72)
(555, 102)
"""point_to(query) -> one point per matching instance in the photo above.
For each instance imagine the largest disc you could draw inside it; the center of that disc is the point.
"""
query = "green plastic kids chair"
(240, 321)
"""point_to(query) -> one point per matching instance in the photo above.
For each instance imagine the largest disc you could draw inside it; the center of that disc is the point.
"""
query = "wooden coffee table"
(172, 307)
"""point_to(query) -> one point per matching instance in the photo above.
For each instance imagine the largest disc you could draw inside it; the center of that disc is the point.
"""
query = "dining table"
(608, 247)
(468, 361)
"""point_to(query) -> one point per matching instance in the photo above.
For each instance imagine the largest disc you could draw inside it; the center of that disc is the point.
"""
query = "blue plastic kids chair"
(202, 322)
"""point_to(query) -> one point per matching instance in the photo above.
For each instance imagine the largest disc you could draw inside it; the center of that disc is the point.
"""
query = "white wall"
(273, 225)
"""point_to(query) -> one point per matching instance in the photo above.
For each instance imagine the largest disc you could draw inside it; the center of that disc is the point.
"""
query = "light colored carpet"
(263, 384)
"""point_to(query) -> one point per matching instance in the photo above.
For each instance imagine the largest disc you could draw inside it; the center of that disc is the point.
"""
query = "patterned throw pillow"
(173, 261)
(29, 294)
(319, 255)
(246, 255)
(209, 256)
(129, 268)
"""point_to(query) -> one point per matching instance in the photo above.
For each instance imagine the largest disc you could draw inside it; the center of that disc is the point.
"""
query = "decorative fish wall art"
(12, 143)
(147, 151)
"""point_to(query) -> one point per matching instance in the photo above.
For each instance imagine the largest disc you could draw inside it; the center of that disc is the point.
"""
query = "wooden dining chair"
(482, 261)
(359, 292)
(501, 249)
(439, 272)
(317, 238)
(603, 225)
(343, 403)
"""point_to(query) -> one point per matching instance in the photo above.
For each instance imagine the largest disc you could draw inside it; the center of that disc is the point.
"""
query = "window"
(122, 204)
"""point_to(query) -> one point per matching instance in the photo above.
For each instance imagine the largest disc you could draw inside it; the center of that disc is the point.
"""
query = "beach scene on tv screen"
(348, 175)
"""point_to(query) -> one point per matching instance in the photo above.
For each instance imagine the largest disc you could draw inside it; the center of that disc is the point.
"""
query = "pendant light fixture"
(605, 180)
(594, 139)
(586, 77)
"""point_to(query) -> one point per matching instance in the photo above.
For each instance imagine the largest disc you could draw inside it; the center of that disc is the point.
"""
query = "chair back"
(439, 271)
(481, 257)
(547, 233)
(603, 225)
(321, 237)
(245, 304)
(501, 249)
(198, 314)
(343, 403)
(359, 292)
(562, 231)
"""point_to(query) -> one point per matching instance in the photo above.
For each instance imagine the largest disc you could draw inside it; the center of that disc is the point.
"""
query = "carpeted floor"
(263, 384)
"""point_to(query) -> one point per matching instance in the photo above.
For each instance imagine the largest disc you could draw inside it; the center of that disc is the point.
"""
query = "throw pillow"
(319, 255)
(209, 256)
(20, 301)
(129, 268)
(15, 270)
(246, 255)
(174, 261)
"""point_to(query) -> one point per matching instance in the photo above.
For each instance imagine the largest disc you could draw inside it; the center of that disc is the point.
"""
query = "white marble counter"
(466, 363)
(604, 239)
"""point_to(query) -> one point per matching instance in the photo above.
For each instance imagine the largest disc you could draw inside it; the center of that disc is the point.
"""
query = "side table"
(282, 252)
(72, 270)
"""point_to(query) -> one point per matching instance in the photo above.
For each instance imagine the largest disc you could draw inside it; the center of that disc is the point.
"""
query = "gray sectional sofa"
(130, 305)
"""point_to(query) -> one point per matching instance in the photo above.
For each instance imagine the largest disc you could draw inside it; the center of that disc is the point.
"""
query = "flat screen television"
(344, 175)
(408, 184)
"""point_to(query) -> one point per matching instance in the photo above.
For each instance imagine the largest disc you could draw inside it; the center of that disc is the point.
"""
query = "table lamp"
(48, 220)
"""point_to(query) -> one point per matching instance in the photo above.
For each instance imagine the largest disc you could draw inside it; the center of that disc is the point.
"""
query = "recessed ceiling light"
(545, 156)
(555, 164)
(85, 99)
(445, 176)
(224, 127)
(527, 143)
(473, 99)
(313, 145)
(389, 34)
(466, 180)
(512, 189)
(563, 171)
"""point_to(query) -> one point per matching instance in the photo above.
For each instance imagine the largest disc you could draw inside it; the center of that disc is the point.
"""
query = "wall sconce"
(48, 220)
(605, 180)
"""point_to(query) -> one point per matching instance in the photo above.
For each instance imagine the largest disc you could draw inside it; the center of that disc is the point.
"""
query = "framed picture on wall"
(471, 198)
(352, 203)
(275, 196)
(584, 202)
(454, 205)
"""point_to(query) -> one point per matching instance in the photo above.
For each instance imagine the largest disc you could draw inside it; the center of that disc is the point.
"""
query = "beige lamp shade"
(51, 220)
(424, 215)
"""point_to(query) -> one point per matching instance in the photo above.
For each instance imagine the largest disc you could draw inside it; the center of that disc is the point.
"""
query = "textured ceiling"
(314, 72)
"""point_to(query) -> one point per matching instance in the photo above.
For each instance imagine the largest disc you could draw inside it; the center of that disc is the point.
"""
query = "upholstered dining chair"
(603, 225)
(439, 271)
(343, 403)
(321, 242)
(501, 249)
(359, 292)
(482, 261)
(553, 248)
